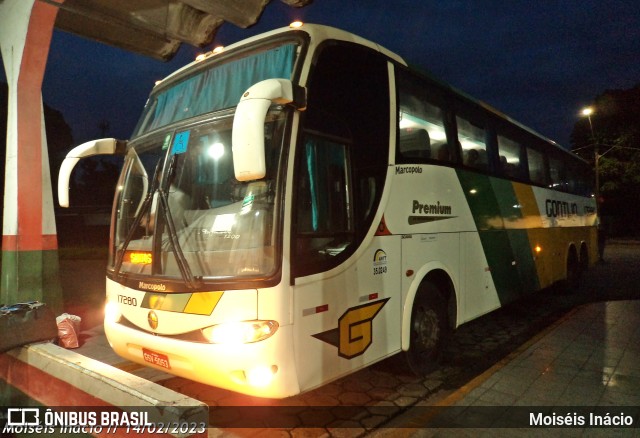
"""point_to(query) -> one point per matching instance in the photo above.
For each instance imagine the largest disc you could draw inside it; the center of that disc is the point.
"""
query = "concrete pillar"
(29, 241)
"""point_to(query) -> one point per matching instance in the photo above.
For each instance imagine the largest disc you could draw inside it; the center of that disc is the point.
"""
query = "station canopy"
(157, 28)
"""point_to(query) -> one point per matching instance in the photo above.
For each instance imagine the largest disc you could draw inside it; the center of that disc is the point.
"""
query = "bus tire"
(429, 329)
(584, 259)
(574, 271)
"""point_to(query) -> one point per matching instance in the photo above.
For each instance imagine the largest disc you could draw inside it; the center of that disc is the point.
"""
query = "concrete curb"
(55, 376)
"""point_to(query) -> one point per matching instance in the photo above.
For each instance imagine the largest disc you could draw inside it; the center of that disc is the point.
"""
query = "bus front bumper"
(263, 369)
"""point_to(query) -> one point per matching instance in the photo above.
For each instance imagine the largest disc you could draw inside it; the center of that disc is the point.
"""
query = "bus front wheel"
(429, 329)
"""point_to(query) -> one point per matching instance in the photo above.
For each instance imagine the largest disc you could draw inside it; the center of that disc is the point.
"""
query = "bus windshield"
(216, 87)
(182, 215)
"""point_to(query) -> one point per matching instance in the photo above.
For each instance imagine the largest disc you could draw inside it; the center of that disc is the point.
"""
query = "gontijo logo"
(152, 319)
(560, 208)
(354, 334)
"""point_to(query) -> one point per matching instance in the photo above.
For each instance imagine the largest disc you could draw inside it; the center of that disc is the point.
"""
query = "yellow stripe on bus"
(528, 206)
(203, 303)
(540, 244)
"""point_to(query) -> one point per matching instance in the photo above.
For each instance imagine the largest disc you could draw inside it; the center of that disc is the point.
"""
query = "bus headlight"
(261, 375)
(112, 312)
(241, 332)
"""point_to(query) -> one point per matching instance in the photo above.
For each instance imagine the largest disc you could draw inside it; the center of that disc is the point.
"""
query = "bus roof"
(320, 33)
(317, 32)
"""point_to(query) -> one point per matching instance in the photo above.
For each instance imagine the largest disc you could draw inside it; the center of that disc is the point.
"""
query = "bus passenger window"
(535, 161)
(509, 153)
(421, 123)
(557, 173)
(444, 153)
(415, 143)
(473, 143)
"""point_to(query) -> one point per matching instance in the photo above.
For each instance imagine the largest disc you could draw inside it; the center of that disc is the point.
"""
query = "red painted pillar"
(29, 241)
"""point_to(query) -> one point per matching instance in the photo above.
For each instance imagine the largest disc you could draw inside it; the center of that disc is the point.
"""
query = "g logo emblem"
(354, 333)
(356, 329)
(152, 319)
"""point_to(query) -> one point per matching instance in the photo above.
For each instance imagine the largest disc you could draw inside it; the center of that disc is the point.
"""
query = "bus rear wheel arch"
(584, 257)
(429, 327)
(571, 282)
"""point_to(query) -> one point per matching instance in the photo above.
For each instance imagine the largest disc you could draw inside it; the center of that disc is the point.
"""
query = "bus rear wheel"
(429, 329)
(574, 271)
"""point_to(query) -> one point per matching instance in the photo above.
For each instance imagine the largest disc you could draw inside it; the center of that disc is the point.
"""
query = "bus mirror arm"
(248, 124)
(104, 146)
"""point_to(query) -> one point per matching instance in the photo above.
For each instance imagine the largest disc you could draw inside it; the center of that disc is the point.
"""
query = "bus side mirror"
(248, 124)
(104, 146)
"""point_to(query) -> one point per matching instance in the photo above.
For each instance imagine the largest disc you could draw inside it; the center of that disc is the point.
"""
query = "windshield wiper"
(183, 265)
(181, 261)
(188, 277)
(138, 219)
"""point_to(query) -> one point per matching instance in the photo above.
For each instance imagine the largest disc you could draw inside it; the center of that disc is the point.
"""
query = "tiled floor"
(587, 363)
(591, 359)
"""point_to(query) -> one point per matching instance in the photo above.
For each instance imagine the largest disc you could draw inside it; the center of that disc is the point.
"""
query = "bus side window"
(510, 164)
(415, 143)
(557, 174)
(472, 139)
(535, 161)
(324, 216)
(421, 119)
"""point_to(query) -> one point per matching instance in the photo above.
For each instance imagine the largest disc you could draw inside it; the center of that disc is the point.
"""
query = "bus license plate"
(161, 360)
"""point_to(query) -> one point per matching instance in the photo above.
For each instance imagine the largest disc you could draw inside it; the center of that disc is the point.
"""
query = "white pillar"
(29, 241)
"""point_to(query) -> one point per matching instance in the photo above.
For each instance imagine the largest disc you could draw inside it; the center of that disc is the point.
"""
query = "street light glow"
(587, 111)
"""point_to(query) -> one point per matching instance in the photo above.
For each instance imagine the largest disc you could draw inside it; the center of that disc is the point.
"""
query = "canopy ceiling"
(156, 28)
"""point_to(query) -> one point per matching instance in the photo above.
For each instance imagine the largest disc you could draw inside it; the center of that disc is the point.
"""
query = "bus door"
(344, 278)
(346, 300)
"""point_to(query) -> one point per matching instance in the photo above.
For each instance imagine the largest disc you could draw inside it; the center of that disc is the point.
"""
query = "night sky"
(539, 62)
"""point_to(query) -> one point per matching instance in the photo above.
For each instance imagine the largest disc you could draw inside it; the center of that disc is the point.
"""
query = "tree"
(94, 181)
(613, 133)
(59, 137)
(93, 184)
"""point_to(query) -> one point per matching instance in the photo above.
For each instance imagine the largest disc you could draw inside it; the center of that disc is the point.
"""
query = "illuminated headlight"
(112, 312)
(242, 332)
(261, 375)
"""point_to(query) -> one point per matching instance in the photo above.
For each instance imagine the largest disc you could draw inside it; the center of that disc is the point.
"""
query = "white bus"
(301, 205)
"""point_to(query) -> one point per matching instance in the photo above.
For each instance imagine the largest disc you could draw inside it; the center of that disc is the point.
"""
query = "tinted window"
(557, 173)
(535, 161)
(342, 155)
(509, 156)
(472, 140)
(422, 133)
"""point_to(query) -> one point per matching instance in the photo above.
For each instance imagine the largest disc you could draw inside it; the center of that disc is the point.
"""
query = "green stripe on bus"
(482, 200)
(511, 209)
(507, 201)
(496, 211)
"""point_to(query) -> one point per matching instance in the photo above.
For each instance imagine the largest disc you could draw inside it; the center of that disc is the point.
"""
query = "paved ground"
(529, 352)
(586, 366)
